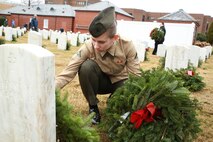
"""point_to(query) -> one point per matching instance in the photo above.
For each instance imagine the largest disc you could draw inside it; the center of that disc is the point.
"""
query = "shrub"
(2, 19)
(210, 34)
(68, 46)
(2, 41)
(14, 38)
(162, 62)
(201, 37)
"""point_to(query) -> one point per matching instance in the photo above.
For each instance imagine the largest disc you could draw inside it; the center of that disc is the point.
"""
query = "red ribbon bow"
(141, 115)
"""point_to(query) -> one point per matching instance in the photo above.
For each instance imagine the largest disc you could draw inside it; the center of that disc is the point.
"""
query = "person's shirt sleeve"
(72, 68)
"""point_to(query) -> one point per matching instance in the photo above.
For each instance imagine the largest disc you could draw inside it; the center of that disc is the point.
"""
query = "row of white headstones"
(176, 56)
(55, 36)
(27, 90)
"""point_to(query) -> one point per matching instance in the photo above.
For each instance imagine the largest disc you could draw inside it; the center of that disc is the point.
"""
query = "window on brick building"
(46, 23)
(81, 3)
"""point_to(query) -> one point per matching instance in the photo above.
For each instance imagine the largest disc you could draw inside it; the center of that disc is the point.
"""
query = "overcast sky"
(189, 6)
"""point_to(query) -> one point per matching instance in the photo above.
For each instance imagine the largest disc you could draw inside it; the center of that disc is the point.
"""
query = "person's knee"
(87, 67)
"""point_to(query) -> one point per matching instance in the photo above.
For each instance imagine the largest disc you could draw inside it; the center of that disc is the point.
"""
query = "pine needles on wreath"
(192, 79)
(160, 110)
(72, 127)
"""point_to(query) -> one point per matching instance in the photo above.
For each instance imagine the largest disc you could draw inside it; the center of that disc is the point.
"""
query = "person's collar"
(111, 50)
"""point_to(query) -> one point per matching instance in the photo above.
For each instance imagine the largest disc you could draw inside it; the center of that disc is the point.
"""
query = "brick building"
(49, 16)
(84, 15)
(202, 20)
(56, 16)
(76, 15)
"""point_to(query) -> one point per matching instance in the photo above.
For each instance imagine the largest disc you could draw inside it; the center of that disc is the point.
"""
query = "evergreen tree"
(210, 34)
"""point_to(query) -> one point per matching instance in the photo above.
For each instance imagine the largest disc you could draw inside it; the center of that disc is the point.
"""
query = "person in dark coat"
(34, 23)
(163, 29)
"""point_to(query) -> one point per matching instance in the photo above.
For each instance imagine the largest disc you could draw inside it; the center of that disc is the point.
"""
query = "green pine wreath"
(72, 127)
(192, 79)
(171, 117)
(156, 34)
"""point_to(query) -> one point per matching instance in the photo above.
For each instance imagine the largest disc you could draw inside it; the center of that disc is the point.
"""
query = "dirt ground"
(76, 98)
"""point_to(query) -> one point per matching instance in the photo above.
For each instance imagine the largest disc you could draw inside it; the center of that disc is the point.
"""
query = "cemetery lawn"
(76, 98)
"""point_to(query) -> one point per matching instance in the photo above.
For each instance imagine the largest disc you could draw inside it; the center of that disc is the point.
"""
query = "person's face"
(103, 42)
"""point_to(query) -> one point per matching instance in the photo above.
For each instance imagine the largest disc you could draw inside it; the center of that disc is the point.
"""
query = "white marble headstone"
(27, 94)
(161, 50)
(208, 51)
(54, 36)
(203, 55)
(1, 30)
(177, 57)
(15, 32)
(35, 38)
(8, 33)
(62, 41)
(74, 39)
(140, 47)
(45, 34)
(194, 55)
(82, 38)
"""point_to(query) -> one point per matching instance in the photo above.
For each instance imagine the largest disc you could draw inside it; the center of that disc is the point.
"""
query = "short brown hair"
(112, 30)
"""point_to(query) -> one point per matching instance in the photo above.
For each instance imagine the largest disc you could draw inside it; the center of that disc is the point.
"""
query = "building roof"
(180, 15)
(42, 9)
(99, 6)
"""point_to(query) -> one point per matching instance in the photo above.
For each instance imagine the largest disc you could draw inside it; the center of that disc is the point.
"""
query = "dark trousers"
(155, 48)
(93, 81)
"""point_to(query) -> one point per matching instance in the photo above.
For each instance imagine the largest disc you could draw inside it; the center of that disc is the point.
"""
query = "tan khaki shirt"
(120, 60)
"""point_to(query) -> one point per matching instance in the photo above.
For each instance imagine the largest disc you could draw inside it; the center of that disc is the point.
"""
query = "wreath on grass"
(192, 79)
(154, 107)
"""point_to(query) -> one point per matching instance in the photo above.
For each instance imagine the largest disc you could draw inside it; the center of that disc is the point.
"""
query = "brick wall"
(84, 18)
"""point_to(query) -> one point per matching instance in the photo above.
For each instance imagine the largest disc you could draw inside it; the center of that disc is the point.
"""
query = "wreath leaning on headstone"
(154, 107)
(192, 79)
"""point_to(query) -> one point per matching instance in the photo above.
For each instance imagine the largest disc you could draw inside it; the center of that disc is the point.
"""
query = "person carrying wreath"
(161, 39)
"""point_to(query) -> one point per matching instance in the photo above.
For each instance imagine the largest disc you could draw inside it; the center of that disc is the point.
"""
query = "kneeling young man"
(103, 62)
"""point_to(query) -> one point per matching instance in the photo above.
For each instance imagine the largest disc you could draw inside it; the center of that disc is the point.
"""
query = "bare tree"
(31, 2)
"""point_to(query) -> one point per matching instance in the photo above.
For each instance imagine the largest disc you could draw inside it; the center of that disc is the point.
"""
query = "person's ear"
(115, 37)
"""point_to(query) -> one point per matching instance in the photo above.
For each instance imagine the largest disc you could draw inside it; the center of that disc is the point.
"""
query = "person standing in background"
(160, 41)
(34, 23)
(13, 23)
